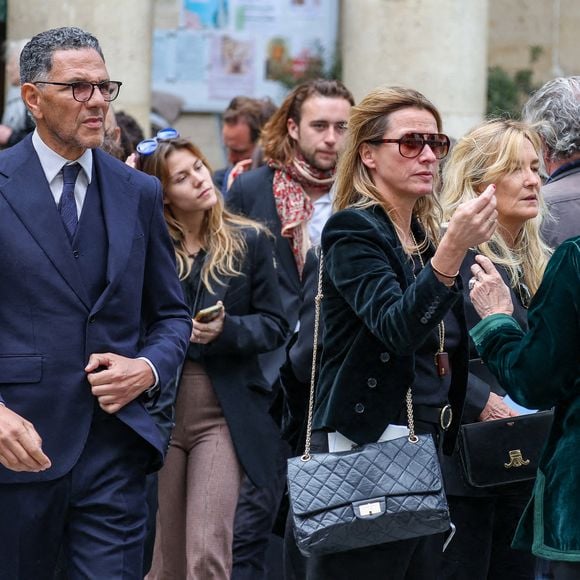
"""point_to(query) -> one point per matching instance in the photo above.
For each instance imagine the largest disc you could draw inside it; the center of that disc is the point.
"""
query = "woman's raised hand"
(474, 221)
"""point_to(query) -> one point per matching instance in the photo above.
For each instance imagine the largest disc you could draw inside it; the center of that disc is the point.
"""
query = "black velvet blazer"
(375, 316)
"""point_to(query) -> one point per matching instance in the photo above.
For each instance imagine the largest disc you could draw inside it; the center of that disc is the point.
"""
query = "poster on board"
(223, 48)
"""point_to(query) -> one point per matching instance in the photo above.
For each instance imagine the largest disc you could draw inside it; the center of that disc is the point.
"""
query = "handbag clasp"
(369, 509)
(516, 459)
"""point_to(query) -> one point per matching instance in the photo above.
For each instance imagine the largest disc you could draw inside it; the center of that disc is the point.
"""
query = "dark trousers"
(294, 561)
(565, 570)
(255, 516)
(404, 560)
(481, 548)
(152, 504)
(93, 518)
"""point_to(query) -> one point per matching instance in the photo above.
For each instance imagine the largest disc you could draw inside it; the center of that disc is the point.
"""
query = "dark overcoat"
(254, 324)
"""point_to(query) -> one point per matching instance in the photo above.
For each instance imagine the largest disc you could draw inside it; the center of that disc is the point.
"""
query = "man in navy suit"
(93, 324)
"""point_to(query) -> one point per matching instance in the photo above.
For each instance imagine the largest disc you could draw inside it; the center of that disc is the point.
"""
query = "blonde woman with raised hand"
(507, 154)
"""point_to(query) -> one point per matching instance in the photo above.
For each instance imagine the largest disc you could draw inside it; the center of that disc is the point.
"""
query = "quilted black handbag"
(376, 493)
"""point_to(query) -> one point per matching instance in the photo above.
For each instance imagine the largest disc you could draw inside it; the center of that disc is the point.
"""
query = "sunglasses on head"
(148, 146)
(411, 144)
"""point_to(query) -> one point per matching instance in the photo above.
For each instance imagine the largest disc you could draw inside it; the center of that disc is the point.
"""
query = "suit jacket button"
(359, 408)
(372, 383)
(92, 319)
(423, 320)
(385, 357)
(76, 253)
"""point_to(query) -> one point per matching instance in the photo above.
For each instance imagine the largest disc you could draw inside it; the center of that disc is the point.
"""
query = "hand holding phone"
(208, 314)
(208, 324)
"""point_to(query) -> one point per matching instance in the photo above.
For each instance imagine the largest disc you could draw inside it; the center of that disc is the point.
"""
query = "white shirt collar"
(52, 162)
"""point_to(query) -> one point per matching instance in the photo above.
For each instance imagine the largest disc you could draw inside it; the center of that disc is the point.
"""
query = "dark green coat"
(375, 316)
(540, 369)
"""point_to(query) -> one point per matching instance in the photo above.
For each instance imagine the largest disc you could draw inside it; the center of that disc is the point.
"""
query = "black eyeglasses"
(411, 144)
(83, 91)
(148, 146)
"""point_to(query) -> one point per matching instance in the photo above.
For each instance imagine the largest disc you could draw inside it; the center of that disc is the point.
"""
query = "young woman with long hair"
(222, 426)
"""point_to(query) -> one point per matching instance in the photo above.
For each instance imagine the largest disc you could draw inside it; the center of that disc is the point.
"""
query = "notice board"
(224, 48)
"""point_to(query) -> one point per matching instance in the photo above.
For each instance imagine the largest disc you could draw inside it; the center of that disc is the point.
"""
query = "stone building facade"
(441, 47)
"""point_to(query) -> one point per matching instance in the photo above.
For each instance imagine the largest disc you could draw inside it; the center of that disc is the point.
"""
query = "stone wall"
(440, 47)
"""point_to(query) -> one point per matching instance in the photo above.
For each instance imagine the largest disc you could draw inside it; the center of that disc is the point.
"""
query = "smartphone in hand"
(210, 313)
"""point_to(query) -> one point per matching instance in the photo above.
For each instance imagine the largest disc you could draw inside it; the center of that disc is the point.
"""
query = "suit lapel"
(120, 205)
(28, 194)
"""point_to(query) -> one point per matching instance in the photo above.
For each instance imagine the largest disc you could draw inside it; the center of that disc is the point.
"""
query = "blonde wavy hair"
(369, 121)
(222, 233)
(487, 153)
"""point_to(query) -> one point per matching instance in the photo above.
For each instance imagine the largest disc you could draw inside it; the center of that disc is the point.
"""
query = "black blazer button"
(359, 408)
(385, 357)
(372, 383)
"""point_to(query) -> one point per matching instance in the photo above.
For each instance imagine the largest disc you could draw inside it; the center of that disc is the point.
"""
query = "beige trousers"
(198, 488)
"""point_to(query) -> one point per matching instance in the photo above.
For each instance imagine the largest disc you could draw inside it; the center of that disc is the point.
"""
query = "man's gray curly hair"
(555, 107)
(36, 56)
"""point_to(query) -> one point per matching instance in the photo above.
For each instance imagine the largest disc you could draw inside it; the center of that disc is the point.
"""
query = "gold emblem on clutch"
(516, 459)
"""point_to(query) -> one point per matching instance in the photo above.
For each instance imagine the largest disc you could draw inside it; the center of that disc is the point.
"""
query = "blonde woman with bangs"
(222, 426)
(392, 309)
(505, 153)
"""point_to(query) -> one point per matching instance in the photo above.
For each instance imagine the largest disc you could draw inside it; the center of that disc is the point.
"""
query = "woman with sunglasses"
(392, 307)
(222, 426)
(507, 154)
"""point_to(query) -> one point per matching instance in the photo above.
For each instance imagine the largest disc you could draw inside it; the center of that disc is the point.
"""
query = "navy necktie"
(67, 206)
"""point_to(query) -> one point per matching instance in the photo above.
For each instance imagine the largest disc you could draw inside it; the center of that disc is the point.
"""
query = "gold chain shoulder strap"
(317, 301)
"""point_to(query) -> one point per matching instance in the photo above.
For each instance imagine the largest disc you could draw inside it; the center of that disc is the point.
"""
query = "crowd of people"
(158, 320)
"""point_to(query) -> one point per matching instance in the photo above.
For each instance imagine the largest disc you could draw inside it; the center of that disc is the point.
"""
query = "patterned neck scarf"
(293, 205)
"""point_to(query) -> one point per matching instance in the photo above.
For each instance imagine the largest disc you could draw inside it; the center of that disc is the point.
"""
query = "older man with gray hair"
(556, 106)
(94, 327)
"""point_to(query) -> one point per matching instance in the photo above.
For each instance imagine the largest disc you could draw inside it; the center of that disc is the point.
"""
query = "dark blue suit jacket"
(49, 327)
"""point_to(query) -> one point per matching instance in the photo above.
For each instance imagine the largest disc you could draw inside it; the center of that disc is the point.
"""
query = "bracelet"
(451, 277)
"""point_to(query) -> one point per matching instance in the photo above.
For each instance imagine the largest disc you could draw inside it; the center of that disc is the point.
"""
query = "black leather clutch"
(503, 451)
